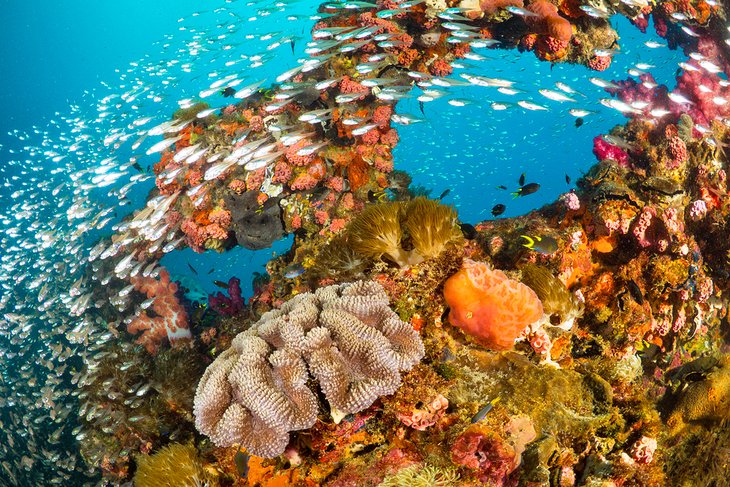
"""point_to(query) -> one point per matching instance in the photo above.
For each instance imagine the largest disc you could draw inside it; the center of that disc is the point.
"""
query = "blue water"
(63, 62)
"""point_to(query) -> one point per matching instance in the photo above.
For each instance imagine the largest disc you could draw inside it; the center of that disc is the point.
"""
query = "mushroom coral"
(489, 306)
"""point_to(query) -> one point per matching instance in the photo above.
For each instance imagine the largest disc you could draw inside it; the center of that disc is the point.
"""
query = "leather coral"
(346, 335)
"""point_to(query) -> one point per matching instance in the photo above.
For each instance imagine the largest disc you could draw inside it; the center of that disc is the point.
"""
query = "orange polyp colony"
(489, 306)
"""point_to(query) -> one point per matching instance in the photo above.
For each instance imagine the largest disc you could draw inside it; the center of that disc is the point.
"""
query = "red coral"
(170, 319)
(485, 453)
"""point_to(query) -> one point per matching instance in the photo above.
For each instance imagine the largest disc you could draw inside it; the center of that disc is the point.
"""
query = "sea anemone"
(175, 465)
(431, 226)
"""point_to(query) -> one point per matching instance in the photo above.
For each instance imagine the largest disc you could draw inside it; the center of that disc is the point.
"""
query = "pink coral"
(170, 320)
(303, 182)
(371, 137)
(440, 68)
(571, 201)
(389, 138)
(348, 86)
(297, 159)
(428, 415)
(221, 217)
(698, 210)
(678, 152)
(599, 63)
(381, 115)
(603, 150)
(491, 458)
(642, 225)
(229, 305)
(643, 450)
(282, 172)
(337, 224)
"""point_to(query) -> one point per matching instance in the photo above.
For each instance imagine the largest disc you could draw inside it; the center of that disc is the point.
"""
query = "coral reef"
(348, 338)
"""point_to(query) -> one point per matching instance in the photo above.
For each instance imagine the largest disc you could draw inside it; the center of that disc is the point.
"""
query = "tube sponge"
(490, 307)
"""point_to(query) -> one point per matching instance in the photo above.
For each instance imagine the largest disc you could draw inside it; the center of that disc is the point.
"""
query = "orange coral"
(490, 307)
(170, 320)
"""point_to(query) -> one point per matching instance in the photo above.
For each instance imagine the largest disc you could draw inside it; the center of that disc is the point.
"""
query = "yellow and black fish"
(544, 245)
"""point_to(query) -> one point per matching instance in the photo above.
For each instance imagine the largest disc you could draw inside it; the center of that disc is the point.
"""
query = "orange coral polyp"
(489, 306)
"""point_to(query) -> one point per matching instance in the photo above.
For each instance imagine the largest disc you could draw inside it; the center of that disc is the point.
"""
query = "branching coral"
(353, 344)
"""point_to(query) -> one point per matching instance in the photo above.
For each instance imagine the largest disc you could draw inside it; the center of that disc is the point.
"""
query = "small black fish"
(470, 233)
(137, 166)
(292, 43)
(211, 270)
(578, 122)
(241, 460)
(522, 179)
(528, 188)
(228, 92)
(192, 269)
(501, 186)
(444, 194)
(635, 292)
(420, 105)
(221, 284)
(498, 209)
(567, 180)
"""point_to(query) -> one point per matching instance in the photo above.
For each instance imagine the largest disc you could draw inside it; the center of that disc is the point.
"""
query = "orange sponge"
(489, 306)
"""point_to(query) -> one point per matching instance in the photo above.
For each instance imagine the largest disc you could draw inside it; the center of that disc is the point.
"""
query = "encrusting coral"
(490, 307)
(175, 465)
(382, 230)
(354, 345)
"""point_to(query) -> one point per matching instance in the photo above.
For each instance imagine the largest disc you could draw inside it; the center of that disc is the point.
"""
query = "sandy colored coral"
(353, 344)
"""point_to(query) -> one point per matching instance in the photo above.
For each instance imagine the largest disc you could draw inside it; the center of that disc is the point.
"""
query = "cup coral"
(490, 307)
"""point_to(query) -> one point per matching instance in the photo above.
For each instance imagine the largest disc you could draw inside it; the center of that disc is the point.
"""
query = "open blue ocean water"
(77, 76)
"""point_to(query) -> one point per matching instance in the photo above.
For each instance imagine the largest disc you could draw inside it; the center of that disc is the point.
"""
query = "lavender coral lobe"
(346, 335)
